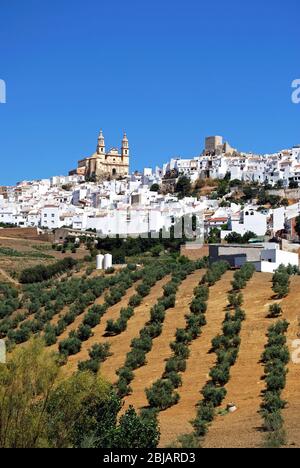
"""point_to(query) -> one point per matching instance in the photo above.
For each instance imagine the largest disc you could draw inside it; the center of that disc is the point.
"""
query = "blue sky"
(168, 72)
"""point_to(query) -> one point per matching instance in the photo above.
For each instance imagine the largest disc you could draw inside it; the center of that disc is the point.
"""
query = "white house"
(50, 217)
(248, 220)
(271, 259)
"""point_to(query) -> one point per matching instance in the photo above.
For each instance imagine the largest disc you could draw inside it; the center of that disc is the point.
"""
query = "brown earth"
(242, 429)
(161, 351)
(6, 278)
(11, 264)
(292, 391)
(176, 420)
(193, 253)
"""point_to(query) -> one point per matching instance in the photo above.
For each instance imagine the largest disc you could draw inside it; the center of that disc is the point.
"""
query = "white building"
(271, 259)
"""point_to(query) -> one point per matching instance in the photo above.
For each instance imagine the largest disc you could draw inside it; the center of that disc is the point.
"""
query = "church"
(105, 165)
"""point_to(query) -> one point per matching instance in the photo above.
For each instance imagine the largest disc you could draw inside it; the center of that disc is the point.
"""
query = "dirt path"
(292, 391)
(242, 428)
(9, 278)
(147, 375)
(99, 331)
(120, 345)
(176, 420)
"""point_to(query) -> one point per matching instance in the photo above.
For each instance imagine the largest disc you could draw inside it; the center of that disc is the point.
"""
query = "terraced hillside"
(158, 325)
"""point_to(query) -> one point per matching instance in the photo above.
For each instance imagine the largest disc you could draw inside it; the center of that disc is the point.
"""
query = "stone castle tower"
(106, 165)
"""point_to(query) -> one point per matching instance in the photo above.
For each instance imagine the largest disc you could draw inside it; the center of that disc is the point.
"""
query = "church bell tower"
(101, 144)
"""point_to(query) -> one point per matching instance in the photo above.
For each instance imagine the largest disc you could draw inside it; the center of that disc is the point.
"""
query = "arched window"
(114, 171)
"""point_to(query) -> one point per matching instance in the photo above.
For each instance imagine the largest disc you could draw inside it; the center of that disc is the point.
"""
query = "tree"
(275, 311)
(29, 376)
(154, 188)
(70, 346)
(235, 300)
(214, 236)
(183, 186)
(40, 408)
(157, 250)
(63, 420)
(234, 238)
(293, 185)
(84, 332)
(161, 395)
(136, 432)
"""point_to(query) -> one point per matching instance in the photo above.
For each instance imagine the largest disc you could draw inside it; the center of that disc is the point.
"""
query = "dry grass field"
(29, 253)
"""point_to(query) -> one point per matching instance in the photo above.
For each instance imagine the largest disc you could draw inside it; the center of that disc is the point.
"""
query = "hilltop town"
(228, 190)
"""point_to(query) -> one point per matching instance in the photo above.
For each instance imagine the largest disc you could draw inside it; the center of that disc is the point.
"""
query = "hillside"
(67, 304)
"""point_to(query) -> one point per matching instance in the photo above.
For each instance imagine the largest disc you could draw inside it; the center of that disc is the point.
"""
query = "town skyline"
(133, 168)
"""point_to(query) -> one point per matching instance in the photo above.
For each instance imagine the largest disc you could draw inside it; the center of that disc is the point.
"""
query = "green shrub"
(123, 388)
(110, 271)
(135, 300)
(175, 364)
(275, 311)
(144, 343)
(174, 378)
(41, 273)
(126, 374)
(235, 300)
(136, 358)
(180, 350)
(100, 352)
(198, 306)
(143, 289)
(157, 313)
(220, 374)
(161, 395)
(213, 394)
(70, 346)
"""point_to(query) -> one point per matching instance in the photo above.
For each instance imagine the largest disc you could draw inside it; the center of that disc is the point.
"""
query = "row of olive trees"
(40, 273)
(226, 346)
(275, 359)
(9, 300)
(281, 282)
